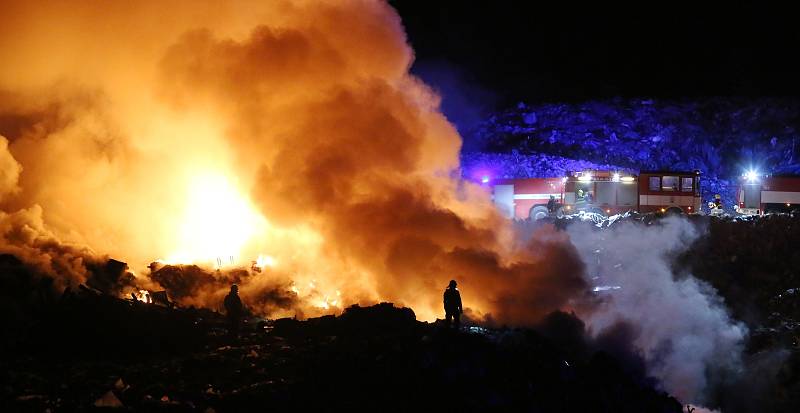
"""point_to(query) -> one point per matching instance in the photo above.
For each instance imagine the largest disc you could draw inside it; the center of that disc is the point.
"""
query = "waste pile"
(93, 351)
(754, 263)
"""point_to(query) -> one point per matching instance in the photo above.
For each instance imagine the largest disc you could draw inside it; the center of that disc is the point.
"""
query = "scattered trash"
(605, 288)
(109, 399)
(28, 397)
(120, 385)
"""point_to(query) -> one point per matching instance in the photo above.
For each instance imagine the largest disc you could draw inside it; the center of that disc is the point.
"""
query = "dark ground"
(375, 358)
(67, 353)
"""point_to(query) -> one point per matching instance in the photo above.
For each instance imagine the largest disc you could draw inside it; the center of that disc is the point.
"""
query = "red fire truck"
(603, 192)
(669, 191)
(528, 198)
(765, 194)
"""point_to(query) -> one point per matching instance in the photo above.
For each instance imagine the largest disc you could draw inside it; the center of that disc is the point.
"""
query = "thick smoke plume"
(291, 133)
(684, 331)
(215, 132)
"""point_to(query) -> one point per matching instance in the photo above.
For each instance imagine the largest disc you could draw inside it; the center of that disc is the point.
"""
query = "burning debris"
(324, 202)
(202, 335)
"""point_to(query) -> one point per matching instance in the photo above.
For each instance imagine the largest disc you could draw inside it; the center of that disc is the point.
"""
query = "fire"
(328, 302)
(266, 261)
(320, 298)
(218, 222)
(144, 296)
(289, 129)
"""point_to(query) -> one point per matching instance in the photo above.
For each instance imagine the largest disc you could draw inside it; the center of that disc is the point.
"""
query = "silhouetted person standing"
(452, 304)
(234, 310)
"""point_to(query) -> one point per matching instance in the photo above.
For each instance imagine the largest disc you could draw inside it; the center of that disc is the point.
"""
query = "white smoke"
(686, 336)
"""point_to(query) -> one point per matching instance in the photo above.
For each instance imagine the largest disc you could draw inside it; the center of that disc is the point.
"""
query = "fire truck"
(669, 191)
(528, 198)
(601, 192)
(759, 194)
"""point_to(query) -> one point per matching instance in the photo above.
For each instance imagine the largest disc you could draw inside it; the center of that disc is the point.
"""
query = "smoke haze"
(218, 132)
(685, 333)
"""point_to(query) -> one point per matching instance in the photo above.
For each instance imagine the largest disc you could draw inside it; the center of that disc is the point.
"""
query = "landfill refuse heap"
(752, 262)
(720, 136)
(88, 349)
(91, 350)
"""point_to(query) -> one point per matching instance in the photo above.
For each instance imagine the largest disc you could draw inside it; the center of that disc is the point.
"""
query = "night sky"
(522, 52)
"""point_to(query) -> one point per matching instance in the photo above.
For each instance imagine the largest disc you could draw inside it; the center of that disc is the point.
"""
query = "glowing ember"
(328, 302)
(144, 296)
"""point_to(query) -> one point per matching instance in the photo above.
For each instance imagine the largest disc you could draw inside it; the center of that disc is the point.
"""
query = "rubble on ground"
(87, 349)
(95, 351)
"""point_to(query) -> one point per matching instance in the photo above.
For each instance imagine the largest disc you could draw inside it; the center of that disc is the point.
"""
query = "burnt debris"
(90, 350)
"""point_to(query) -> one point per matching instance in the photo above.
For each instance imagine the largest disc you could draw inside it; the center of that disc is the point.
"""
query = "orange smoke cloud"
(310, 141)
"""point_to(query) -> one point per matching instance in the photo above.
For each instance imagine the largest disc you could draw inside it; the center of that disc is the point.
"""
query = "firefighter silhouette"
(717, 201)
(551, 204)
(452, 304)
(234, 310)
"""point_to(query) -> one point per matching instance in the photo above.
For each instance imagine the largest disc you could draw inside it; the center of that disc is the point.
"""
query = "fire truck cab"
(758, 195)
(669, 191)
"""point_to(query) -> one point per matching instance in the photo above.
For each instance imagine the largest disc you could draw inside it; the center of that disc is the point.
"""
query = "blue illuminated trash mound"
(722, 137)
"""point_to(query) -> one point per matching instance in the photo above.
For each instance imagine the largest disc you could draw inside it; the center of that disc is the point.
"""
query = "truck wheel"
(674, 211)
(539, 212)
(596, 210)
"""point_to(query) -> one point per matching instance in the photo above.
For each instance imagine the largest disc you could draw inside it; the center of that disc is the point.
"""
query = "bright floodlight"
(485, 179)
(585, 177)
(615, 178)
(751, 175)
